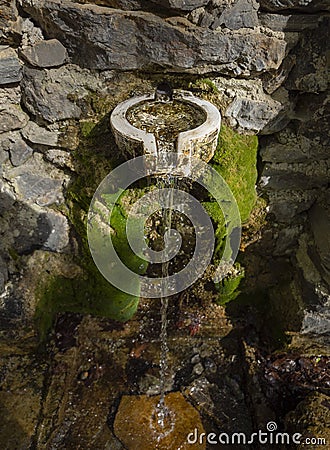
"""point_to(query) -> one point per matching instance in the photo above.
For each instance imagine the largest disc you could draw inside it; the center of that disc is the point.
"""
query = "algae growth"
(90, 292)
(235, 160)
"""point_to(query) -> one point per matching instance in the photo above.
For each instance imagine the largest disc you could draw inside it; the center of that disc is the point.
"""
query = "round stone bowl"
(197, 142)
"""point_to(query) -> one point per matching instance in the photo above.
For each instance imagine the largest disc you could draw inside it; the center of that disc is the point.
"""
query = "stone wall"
(266, 63)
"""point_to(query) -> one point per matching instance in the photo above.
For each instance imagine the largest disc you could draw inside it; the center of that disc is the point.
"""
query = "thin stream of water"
(167, 182)
(165, 119)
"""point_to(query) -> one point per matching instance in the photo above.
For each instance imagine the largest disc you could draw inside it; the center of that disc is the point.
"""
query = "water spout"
(164, 93)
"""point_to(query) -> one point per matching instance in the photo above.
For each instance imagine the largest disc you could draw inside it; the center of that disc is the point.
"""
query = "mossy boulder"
(90, 292)
(235, 160)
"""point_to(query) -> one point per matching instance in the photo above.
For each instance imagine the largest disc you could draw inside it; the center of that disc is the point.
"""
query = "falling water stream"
(167, 224)
(165, 119)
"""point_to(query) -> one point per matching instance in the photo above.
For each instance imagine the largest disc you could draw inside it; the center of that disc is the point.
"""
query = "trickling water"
(165, 118)
(162, 412)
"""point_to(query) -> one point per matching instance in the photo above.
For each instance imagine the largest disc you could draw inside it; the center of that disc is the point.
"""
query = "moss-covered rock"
(89, 292)
(228, 287)
(235, 160)
(311, 418)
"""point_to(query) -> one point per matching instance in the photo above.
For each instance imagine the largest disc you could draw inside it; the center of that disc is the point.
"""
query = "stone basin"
(141, 127)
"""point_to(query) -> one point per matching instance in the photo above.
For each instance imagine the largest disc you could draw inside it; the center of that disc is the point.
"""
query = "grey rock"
(3, 274)
(38, 135)
(181, 5)
(36, 182)
(3, 155)
(280, 176)
(46, 93)
(252, 115)
(10, 95)
(242, 14)
(303, 5)
(195, 359)
(312, 72)
(287, 204)
(46, 54)
(126, 5)
(6, 139)
(113, 39)
(283, 114)
(20, 152)
(12, 118)
(42, 191)
(290, 22)
(276, 79)
(223, 404)
(60, 158)
(156, 6)
(10, 67)
(307, 139)
(317, 322)
(290, 146)
(7, 197)
(319, 218)
(36, 228)
(10, 23)
(58, 238)
(198, 369)
(31, 34)
(287, 237)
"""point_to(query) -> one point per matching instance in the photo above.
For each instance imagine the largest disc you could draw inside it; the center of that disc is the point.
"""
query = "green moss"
(228, 287)
(90, 292)
(101, 105)
(235, 160)
(86, 128)
(205, 84)
(13, 254)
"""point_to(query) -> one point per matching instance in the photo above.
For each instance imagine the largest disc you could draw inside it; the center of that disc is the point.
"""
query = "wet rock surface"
(137, 415)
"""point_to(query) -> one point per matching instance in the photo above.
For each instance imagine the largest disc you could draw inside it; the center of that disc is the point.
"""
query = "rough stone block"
(42, 191)
(45, 93)
(38, 135)
(10, 67)
(46, 54)
(242, 14)
(19, 152)
(12, 118)
(136, 40)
